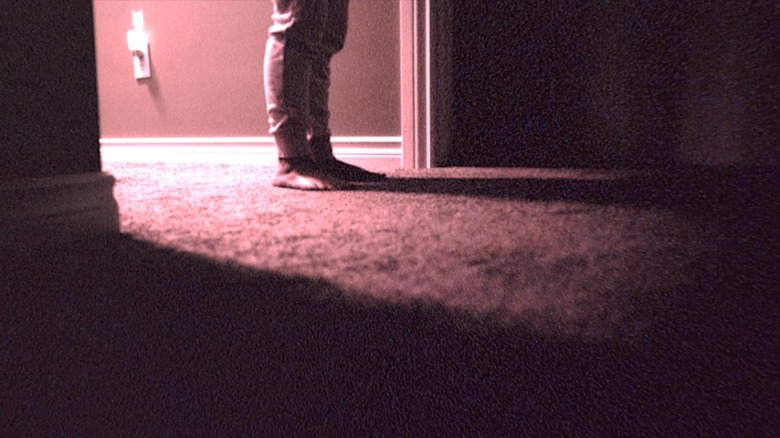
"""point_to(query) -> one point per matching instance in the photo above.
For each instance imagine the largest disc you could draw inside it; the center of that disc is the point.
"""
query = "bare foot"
(303, 174)
(348, 172)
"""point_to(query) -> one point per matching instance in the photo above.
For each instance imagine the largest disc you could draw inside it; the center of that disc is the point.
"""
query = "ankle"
(289, 164)
(321, 148)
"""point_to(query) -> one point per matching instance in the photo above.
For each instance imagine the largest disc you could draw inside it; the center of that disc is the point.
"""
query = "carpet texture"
(501, 252)
(448, 302)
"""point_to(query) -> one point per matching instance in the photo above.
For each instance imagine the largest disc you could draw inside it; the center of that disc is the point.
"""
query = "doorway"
(204, 99)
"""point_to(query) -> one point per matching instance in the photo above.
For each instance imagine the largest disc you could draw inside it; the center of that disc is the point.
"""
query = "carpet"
(507, 253)
(448, 302)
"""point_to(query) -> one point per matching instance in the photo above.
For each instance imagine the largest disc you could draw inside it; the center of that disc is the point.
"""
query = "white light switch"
(138, 42)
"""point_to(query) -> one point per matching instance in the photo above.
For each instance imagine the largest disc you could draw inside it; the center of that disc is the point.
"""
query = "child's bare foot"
(348, 172)
(322, 152)
(304, 174)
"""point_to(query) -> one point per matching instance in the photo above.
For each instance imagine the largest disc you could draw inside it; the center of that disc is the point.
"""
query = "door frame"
(426, 82)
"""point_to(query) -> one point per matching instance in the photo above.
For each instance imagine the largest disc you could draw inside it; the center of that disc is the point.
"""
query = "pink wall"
(207, 61)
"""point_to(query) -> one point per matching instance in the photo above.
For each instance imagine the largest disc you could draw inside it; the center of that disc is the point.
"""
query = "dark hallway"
(555, 294)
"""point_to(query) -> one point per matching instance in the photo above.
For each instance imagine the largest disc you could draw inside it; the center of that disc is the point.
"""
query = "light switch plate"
(142, 65)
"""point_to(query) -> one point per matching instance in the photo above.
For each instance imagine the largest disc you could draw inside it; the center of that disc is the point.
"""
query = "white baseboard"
(82, 203)
(376, 153)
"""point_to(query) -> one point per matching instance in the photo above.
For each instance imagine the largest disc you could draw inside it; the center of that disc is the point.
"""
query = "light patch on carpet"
(570, 267)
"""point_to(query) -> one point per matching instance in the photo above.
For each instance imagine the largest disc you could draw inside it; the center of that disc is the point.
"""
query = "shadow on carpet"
(690, 189)
(116, 335)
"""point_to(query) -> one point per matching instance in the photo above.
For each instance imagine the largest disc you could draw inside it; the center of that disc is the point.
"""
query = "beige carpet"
(564, 249)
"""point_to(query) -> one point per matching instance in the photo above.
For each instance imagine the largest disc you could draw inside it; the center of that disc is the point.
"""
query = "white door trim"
(426, 82)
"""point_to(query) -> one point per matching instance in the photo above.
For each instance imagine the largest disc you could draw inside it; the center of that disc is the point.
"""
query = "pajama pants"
(303, 38)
